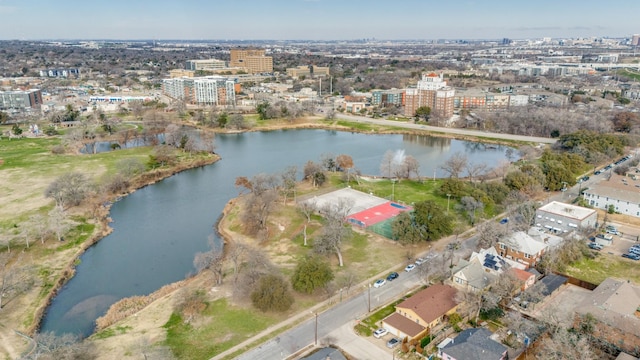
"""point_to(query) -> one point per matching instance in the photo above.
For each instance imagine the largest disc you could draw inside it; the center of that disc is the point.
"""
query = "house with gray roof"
(615, 307)
(621, 192)
(473, 344)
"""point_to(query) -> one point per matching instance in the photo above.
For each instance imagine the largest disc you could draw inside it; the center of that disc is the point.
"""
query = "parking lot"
(628, 236)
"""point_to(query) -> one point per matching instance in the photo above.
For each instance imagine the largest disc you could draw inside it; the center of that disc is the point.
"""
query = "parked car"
(393, 343)
(631, 256)
(380, 333)
(610, 229)
(410, 267)
(504, 221)
(379, 283)
(635, 249)
(585, 178)
(394, 275)
(420, 261)
(605, 236)
(598, 172)
(595, 246)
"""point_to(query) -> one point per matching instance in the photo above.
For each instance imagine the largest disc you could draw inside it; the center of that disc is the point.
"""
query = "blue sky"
(316, 19)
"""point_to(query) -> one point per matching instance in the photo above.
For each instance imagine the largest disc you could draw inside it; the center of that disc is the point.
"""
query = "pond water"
(159, 228)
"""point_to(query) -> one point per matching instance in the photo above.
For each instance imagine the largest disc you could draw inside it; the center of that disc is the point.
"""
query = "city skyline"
(316, 19)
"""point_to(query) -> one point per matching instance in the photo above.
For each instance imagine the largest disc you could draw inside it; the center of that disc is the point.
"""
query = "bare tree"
(211, 260)
(68, 346)
(489, 233)
(386, 166)
(58, 222)
(412, 165)
(289, 181)
(475, 170)
(314, 172)
(334, 231)
(345, 164)
(455, 164)
(471, 205)
(15, 279)
(69, 189)
(307, 209)
(236, 253)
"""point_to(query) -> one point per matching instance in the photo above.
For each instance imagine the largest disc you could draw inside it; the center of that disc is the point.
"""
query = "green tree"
(16, 130)
(432, 220)
(272, 294)
(263, 110)
(310, 274)
(423, 112)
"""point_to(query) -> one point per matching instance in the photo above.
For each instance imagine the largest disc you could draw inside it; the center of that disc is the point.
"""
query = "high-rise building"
(635, 40)
(209, 90)
(20, 99)
(253, 60)
(431, 91)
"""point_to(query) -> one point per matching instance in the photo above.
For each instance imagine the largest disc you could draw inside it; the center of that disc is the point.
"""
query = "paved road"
(332, 321)
(455, 131)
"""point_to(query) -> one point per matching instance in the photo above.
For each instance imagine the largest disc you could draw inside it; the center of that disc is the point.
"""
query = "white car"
(379, 283)
(380, 333)
(420, 261)
(410, 267)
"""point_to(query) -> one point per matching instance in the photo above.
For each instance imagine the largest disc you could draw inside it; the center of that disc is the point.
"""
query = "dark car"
(585, 178)
(504, 221)
(394, 275)
(631, 256)
(595, 246)
(598, 172)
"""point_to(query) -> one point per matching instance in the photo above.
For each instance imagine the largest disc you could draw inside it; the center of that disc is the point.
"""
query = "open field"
(603, 266)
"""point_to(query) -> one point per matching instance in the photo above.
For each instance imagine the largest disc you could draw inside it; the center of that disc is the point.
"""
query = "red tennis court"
(377, 214)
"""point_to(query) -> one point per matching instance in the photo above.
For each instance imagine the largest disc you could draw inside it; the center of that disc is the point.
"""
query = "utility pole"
(316, 338)
(448, 198)
(369, 302)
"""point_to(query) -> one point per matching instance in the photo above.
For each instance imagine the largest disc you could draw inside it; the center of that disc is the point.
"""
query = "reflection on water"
(158, 229)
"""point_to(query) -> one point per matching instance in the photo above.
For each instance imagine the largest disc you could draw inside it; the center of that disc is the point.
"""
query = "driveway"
(358, 347)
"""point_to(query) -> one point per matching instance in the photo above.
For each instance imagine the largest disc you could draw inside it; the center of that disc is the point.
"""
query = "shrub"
(272, 293)
(58, 150)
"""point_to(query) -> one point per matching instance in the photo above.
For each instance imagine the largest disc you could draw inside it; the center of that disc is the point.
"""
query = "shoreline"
(102, 220)
(147, 179)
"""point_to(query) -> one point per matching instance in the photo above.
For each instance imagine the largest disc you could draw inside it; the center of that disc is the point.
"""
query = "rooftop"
(567, 210)
(616, 188)
(432, 302)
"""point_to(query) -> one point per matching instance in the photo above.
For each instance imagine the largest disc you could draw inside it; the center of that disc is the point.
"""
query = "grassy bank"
(603, 266)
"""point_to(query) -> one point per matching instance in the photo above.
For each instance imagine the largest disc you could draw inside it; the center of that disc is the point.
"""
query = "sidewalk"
(306, 314)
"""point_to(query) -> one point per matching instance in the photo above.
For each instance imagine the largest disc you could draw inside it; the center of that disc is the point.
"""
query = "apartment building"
(431, 91)
(20, 99)
(253, 60)
(205, 65)
(561, 218)
(621, 192)
(388, 97)
(308, 71)
(209, 90)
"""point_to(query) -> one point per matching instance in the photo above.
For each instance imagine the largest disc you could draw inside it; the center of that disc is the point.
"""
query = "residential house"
(420, 313)
(473, 344)
(521, 247)
(615, 307)
(559, 217)
(482, 269)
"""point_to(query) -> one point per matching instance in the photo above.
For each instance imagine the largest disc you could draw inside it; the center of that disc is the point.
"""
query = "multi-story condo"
(210, 90)
(388, 97)
(60, 73)
(308, 71)
(20, 99)
(209, 64)
(431, 91)
(253, 60)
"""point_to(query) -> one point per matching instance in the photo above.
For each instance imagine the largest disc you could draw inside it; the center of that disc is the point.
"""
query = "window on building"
(503, 246)
(527, 256)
